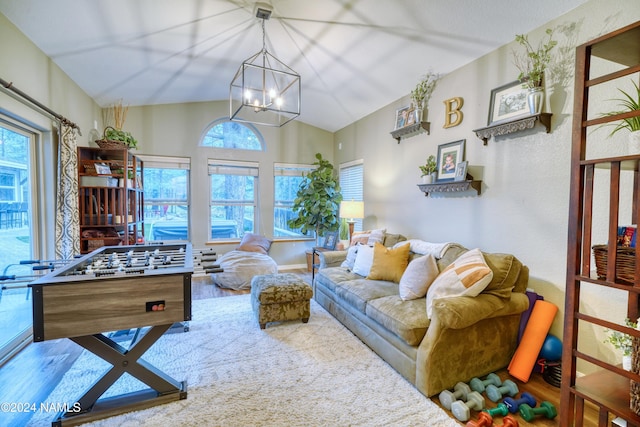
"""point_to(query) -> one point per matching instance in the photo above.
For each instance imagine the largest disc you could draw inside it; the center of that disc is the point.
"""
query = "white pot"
(634, 142)
(626, 363)
(426, 179)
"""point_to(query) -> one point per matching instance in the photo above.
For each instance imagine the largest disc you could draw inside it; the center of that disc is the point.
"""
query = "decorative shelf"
(411, 130)
(452, 187)
(515, 125)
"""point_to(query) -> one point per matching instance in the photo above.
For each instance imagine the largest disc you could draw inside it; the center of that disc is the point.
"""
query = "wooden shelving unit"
(110, 198)
(609, 387)
(411, 130)
(514, 125)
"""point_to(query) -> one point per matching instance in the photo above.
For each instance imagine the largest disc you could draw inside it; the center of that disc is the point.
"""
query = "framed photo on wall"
(461, 171)
(507, 102)
(449, 155)
(402, 117)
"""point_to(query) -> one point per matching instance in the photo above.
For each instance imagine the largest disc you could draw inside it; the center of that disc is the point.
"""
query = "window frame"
(294, 170)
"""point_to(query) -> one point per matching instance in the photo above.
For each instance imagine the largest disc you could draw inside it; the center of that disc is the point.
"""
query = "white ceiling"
(354, 56)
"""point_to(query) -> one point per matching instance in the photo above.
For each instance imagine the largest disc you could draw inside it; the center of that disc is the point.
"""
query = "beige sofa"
(466, 336)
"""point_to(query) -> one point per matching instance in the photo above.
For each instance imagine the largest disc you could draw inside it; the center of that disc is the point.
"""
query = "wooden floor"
(32, 374)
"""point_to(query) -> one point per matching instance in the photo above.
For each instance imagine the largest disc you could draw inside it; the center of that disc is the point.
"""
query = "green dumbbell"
(461, 410)
(479, 385)
(501, 410)
(461, 390)
(508, 388)
(546, 409)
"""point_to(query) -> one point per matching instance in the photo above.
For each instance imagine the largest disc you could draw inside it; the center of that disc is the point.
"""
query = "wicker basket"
(625, 263)
(109, 144)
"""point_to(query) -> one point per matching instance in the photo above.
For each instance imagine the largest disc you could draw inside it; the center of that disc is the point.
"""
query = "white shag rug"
(290, 374)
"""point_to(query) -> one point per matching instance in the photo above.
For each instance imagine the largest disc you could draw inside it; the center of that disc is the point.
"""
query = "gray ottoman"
(278, 297)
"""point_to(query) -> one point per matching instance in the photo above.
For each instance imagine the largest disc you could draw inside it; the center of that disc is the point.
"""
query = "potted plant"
(114, 137)
(532, 65)
(630, 102)
(622, 341)
(421, 94)
(317, 200)
(428, 170)
(343, 232)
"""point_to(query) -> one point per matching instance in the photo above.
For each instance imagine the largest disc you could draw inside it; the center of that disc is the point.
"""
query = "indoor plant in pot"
(428, 170)
(421, 94)
(532, 65)
(317, 200)
(622, 341)
(630, 103)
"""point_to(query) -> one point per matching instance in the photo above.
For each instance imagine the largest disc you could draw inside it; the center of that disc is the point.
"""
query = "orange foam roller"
(533, 338)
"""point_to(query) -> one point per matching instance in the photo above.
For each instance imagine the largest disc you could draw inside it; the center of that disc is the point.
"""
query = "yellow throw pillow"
(388, 263)
(468, 275)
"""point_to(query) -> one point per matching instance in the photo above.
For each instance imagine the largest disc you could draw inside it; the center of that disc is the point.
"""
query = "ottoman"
(277, 297)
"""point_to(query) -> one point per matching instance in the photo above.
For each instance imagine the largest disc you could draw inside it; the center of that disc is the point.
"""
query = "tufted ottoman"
(277, 297)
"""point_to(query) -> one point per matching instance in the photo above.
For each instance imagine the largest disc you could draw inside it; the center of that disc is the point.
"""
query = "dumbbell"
(485, 420)
(461, 390)
(501, 410)
(514, 404)
(546, 409)
(461, 410)
(507, 388)
(479, 385)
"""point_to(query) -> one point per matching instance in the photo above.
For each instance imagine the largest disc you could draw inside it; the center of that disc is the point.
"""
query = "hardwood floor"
(33, 373)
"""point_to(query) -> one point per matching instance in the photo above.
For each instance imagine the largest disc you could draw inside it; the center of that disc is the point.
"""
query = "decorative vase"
(427, 179)
(626, 362)
(535, 99)
(634, 142)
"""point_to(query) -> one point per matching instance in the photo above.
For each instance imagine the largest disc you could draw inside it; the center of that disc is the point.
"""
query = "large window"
(17, 242)
(287, 179)
(166, 198)
(233, 201)
(226, 134)
(351, 184)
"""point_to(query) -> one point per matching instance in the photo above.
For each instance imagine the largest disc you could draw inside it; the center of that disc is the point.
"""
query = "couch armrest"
(331, 258)
(461, 312)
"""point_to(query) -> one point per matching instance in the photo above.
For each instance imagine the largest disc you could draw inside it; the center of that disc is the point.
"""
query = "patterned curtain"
(67, 217)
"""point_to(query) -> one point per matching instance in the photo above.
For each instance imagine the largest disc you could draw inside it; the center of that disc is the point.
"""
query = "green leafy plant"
(114, 134)
(317, 200)
(429, 167)
(622, 341)
(424, 89)
(344, 229)
(533, 63)
(627, 104)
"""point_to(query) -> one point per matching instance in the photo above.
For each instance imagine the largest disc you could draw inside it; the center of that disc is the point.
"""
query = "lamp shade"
(351, 209)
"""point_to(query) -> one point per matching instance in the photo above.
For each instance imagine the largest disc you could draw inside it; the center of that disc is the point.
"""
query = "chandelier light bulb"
(279, 102)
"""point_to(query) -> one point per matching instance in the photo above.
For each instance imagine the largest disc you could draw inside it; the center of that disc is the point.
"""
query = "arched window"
(224, 133)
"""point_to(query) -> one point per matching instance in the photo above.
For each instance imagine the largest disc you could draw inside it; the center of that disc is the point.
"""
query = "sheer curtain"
(67, 218)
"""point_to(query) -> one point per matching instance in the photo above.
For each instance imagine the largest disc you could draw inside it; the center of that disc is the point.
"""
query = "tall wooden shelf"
(110, 198)
(607, 388)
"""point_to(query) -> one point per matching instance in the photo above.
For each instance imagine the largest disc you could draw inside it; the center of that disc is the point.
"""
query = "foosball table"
(115, 288)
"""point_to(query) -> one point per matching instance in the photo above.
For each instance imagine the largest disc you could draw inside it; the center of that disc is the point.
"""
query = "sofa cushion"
(417, 278)
(389, 263)
(468, 275)
(392, 239)
(331, 276)
(358, 293)
(506, 269)
(364, 260)
(368, 237)
(406, 319)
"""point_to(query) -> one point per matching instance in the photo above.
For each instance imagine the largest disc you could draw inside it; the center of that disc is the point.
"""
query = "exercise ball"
(551, 348)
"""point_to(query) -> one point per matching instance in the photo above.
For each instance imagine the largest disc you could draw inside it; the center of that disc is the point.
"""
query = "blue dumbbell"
(514, 404)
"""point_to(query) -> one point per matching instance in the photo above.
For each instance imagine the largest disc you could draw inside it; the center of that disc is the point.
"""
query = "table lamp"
(351, 210)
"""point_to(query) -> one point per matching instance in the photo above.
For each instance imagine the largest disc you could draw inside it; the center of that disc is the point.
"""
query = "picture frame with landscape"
(507, 102)
(449, 155)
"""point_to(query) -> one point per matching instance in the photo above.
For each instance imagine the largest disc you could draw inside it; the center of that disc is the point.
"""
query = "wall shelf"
(454, 188)
(515, 125)
(411, 130)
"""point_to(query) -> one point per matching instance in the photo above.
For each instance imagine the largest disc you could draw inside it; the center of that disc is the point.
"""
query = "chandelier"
(264, 91)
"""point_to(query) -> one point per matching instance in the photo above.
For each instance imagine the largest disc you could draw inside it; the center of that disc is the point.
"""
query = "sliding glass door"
(16, 239)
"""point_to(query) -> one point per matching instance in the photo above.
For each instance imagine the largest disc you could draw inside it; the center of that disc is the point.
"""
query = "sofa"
(464, 337)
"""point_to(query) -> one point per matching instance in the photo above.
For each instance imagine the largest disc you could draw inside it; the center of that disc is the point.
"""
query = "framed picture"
(402, 117)
(449, 155)
(461, 171)
(330, 240)
(102, 169)
(507, 102)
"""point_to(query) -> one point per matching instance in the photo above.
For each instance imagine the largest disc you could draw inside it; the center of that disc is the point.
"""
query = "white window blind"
(351, 184)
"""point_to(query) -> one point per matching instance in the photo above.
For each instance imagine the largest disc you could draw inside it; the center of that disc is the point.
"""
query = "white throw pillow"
(351, 257)
(466, 276)
(364, 260)
(376, 236)
(417, 278)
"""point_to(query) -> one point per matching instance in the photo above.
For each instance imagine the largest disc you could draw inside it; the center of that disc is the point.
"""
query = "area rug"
(290, 374)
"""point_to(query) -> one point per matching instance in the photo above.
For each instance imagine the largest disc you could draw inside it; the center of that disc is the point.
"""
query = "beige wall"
(523, 208)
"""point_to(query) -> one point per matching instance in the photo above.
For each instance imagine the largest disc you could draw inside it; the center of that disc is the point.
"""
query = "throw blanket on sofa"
(240, 267)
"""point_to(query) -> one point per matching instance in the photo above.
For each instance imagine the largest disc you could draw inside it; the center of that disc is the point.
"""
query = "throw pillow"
(351, 257)
(376, 236)
(468, 275)
(417, 278)
(364, 259)
(391, 239)
(389, 264)
(361, 237)
(254, 243)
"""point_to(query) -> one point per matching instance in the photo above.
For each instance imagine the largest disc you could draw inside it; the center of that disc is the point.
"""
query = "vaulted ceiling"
(354, 56)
